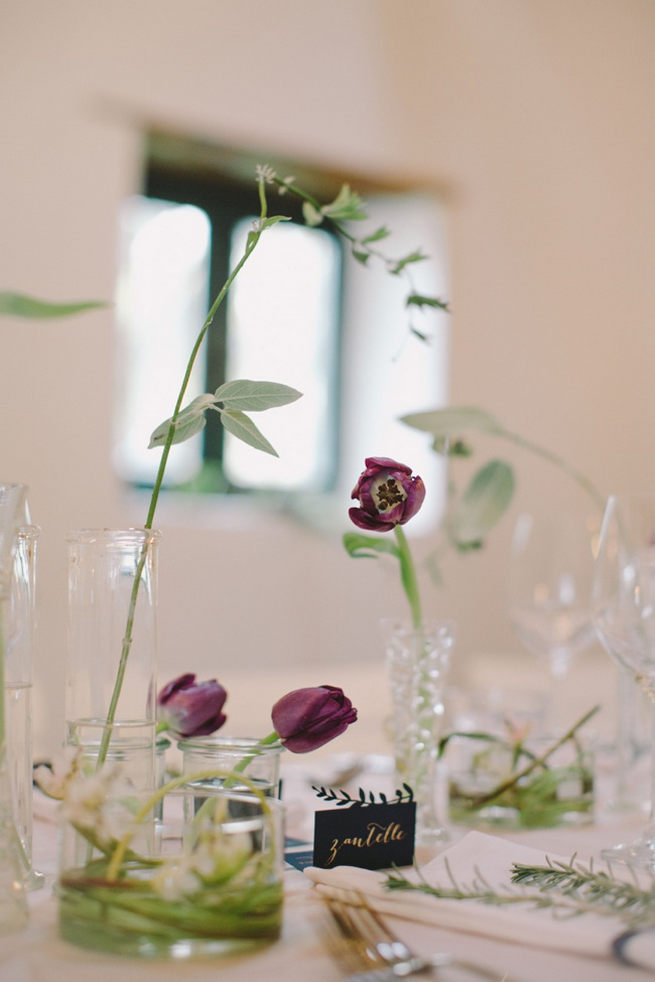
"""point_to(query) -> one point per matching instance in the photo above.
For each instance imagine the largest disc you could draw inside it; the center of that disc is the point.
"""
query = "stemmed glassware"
(550, 584)
(624, 616)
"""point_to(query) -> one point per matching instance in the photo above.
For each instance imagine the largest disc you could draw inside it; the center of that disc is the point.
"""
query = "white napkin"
(474, 855)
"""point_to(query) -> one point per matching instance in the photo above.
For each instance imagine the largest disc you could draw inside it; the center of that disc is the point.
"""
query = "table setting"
(156, 842)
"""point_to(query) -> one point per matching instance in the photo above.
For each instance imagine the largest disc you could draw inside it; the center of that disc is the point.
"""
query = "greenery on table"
(530, 789)
(567, 888)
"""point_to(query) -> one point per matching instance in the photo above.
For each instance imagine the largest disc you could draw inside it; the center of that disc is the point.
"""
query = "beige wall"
(535, 114)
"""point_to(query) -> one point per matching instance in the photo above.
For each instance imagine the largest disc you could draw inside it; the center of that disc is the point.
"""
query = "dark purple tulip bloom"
(190, 709)
(388, 495)
(305, 719)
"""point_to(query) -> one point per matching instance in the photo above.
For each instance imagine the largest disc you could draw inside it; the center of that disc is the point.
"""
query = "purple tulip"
(388, 495)
(305, 719)
(190, 709)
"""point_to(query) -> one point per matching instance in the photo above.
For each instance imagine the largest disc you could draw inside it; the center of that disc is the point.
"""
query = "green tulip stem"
(252, 241)
(408, 577)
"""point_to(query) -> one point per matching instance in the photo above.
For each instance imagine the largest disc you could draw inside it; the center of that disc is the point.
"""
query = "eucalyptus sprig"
(348, 206)
(486, 498)
(569, 889)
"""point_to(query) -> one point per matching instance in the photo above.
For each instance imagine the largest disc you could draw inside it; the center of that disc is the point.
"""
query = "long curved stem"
(553, 458)
(251, 244)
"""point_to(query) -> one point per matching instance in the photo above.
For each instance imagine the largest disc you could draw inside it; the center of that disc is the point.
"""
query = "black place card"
(372, 836)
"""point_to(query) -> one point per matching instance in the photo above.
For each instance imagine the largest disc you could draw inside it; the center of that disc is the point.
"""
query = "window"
(299, 313)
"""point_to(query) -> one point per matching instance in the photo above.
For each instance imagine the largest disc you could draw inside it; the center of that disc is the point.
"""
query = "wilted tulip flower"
(305, 719)
(190, 709)
(388, 495)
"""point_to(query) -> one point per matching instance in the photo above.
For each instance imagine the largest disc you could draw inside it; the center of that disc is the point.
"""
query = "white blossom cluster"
(215, 857)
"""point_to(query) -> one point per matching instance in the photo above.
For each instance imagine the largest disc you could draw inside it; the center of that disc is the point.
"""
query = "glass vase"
(238, 758)
(18, 689)
(209, 882)
(13, 862)
(112, 648)
(418, 660)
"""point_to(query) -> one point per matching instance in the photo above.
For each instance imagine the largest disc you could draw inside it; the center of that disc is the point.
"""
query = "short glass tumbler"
(204, 881)
(243, 763)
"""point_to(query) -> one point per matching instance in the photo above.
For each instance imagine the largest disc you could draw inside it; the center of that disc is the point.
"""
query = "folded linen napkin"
(474, 855)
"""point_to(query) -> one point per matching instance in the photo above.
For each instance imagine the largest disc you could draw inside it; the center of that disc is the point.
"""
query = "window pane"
(161, 304)
(283, 327)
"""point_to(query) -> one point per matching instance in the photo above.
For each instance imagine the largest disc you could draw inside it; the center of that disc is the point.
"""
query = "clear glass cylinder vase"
(207, 882)
(234, 758)
(112, 649)
(13, 862)
(418, 660)
(18, 688)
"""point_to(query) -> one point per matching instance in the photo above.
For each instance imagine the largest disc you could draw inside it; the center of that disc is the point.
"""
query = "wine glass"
(550, 584)
(624, 616)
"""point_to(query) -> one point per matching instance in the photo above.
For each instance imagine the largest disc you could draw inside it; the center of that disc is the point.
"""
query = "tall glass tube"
(13, 904)
(19, 646)
(112, 645)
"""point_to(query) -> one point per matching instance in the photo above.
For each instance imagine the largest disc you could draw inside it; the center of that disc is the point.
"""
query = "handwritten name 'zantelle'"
(376, 835)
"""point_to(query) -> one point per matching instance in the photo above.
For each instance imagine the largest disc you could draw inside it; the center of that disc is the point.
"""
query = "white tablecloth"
(37, 954)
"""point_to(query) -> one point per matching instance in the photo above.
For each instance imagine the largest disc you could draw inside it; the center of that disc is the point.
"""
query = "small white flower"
(265, 173)
(53, 781)
(284, 186)
(174, 880)
(98, 802)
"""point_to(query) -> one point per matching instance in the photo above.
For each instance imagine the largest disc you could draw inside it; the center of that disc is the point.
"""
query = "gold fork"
(372, 953)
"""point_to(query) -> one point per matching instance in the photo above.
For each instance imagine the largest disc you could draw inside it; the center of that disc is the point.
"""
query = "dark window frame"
(227, 200)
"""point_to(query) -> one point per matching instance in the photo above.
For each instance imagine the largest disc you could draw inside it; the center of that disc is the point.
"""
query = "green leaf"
(453, 420)
(347, 206)
(245, 394)
(418, 300)
(380, 233)
(360, 256)
(413, 257)
(452, 448)
(20, 305)
(243, 428)
(366, 546)
(273, 220)
(190, 421)
(482, 504)
(312, 215)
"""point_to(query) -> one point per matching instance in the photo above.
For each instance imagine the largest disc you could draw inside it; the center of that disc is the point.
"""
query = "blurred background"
(513, 140)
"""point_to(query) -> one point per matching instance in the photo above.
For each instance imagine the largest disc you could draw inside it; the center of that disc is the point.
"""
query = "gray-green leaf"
(311, 214)
(365, 546)
(243, 428)
(246, 394)
(453, 421)
(414, 257)
(380, 233)
(347, 206)
(21, 305)
(418, 300)
(482, 504)
(190, 421)
(273, 220)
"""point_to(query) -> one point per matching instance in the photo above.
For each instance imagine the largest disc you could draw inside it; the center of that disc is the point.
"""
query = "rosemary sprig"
(568, 889)
(598, 888)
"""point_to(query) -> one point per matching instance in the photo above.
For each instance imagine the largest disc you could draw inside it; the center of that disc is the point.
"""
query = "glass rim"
(215, 743)
(430, 625)
(89, 536)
